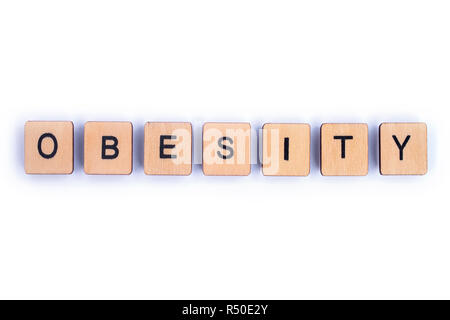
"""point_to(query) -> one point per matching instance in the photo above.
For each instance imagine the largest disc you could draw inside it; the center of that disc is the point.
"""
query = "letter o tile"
(48, 147)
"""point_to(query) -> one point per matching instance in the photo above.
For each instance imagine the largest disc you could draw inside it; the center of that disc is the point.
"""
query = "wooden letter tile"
(344, 149)
(49, 147)
(403, 148)
(168, 148)
(286, 149)
(226, 149)
(108, 147)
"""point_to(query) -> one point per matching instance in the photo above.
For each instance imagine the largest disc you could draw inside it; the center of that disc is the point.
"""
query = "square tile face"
(168, 148)
(286, 149)
(403, 148)
(226, 149)
(344, 149)
(48, 147)
(108, 147)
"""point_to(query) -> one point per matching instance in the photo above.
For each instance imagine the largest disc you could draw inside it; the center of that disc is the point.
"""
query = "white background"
(141, 236)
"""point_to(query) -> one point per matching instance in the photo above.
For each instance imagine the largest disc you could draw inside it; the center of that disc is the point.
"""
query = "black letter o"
(55, 146)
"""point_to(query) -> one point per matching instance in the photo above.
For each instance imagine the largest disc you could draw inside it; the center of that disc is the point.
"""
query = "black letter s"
(225, 147)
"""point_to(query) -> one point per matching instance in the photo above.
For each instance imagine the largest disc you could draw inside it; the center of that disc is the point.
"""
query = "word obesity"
(284, 149)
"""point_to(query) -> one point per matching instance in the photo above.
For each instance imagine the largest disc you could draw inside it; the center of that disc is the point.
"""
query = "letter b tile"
(403, 148)
(48, 147)
(344, 149)
(108, 147)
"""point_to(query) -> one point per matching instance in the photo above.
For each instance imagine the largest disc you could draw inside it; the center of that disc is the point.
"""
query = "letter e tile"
(168, 148)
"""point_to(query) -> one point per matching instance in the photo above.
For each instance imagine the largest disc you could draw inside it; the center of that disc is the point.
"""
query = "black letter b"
(112, 146)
